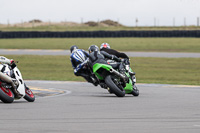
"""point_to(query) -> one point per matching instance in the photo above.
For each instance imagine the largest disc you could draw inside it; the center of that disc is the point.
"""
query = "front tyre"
(29, 96)
(135, 91)
(6, 95)
(114, 88)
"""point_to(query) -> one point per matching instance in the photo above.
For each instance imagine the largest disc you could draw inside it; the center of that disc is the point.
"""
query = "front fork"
(133, 78)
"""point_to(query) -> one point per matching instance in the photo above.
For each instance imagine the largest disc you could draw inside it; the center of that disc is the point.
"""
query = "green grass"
(96, 28)
(122, 44)
(168, 70)
(148, 70)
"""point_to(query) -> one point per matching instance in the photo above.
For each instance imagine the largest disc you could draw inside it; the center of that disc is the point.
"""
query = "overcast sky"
(148, 12)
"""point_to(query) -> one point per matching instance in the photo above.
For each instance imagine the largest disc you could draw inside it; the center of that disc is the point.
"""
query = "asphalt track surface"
(67, 52)
(79, 107)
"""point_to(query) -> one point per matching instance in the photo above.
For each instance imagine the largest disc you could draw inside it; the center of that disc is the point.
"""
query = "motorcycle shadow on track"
(15, 102)
(109, 96)
(106, 95)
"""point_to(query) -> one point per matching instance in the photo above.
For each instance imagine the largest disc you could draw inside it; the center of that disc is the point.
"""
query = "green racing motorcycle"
(114, 81)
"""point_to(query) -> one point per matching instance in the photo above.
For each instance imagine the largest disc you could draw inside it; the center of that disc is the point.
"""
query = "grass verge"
(148, 70)
(123, 44)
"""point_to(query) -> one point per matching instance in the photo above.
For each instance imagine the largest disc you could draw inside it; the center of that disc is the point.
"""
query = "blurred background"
(161, 26)
(127, 13)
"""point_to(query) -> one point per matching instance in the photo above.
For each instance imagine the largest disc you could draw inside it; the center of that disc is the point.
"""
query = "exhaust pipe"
(8, 79)
(117, 73)
(5, 78)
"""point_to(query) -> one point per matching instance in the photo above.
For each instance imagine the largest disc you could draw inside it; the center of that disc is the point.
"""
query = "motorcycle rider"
(4, 77)
(106, 47)
(97, 56)
(79, 60)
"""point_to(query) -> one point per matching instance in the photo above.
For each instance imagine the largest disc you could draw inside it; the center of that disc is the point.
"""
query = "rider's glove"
(120, 60)
(126, 61)
(83, 65)
(116, 58)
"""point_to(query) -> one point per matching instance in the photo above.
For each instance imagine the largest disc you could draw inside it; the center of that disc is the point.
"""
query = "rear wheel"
(118, 91)
(29, 96)
(6, 95)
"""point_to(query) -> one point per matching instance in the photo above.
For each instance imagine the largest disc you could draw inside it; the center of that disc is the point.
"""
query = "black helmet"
(93, 48)
(73, 48)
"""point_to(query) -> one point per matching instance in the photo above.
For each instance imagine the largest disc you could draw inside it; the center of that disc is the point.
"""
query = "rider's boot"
(94, 81)
(129, 71)
(132, 73)
(103, 85)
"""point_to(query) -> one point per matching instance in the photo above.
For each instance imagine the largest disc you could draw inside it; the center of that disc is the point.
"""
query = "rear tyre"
(29, 96)
(120, 92)
(135, 91)
(6, 95)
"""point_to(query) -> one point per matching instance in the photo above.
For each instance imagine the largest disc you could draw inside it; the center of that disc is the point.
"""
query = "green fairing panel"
(129, 86)
(97, 66)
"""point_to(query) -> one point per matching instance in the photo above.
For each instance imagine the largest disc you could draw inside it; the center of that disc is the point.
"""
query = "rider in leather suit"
(79, 60)
(97, 56)
(4, 77)
(106, 47)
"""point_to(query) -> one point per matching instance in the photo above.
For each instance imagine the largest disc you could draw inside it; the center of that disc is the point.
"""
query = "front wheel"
(6, 95)
(29, 96)
(135, 91)
(120, 92)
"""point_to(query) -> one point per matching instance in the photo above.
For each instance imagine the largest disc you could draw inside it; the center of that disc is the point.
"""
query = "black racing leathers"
(99, 57)
(114, 52)
(118, 54)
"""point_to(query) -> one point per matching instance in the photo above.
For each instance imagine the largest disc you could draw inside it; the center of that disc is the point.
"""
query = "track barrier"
(98, 34)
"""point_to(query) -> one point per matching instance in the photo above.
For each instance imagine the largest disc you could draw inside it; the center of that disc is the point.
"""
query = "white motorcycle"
(7, 92)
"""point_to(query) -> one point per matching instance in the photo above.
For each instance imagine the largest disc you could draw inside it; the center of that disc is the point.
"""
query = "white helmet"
(104, 45)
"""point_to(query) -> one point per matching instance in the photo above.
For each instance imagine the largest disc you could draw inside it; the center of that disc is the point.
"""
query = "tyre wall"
(84, 34)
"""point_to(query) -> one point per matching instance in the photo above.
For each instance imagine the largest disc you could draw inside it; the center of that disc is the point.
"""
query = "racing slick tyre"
(29, 96)
(120, 92)
(135, 91)
(6, 95)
